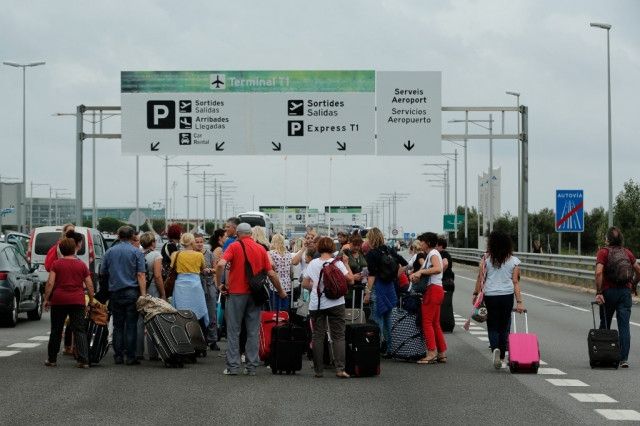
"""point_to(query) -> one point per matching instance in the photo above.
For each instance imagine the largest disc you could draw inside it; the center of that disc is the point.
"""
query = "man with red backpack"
(615, 281)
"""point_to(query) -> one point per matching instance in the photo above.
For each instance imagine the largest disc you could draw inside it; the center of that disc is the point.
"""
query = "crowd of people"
(134, 266)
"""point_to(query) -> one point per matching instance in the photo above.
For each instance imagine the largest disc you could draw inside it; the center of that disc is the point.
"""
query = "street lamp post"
(521, 211)
(608, 28)
(24, 133)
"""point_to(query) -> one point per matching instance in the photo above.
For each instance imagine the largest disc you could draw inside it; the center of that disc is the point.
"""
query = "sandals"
(426, 360)
(342, 375)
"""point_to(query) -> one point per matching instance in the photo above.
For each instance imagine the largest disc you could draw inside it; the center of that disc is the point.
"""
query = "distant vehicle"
(258, 219)
(20, 288)
(43, 238)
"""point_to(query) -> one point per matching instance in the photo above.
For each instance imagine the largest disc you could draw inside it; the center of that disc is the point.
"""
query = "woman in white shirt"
(432, 300)
(326, 310)
(500, 273)
(281, 260)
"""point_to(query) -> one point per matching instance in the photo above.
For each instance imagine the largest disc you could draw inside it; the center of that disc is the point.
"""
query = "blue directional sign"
(569, 210)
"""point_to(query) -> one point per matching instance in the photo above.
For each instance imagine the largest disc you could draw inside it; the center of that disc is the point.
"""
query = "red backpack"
(332, 281)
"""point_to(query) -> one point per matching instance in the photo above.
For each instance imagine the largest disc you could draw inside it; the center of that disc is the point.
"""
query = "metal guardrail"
(578, 270)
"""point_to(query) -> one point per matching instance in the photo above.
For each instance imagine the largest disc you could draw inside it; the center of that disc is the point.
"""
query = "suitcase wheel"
(512, 367)
(592, 364)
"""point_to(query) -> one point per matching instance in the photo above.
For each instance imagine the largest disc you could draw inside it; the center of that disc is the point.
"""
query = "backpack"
(388, 266)
(166, 261)
(619, 269)
(334, 283)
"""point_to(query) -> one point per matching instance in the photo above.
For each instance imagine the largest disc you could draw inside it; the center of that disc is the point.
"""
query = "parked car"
(18, 239)
(43, 238)
(20, 287)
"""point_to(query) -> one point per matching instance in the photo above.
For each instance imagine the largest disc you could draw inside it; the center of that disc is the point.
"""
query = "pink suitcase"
(524, 352)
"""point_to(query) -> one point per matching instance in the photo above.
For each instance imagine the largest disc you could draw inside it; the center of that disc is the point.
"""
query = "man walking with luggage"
(615, 281)
(240, 304)
(125, 267)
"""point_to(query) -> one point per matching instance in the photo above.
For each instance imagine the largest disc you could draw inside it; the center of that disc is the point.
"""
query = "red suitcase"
(524, 352)
(267, 322)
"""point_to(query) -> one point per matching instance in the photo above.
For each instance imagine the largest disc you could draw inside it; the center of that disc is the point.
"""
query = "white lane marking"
(40, 338)
(484, 339)
(476, 328)
(24, 345)
(543, 363)
(593, 397)
(8, 353)
(619, 414)
(551, 371)
(567, 382)
(48, 332)
(478, 333)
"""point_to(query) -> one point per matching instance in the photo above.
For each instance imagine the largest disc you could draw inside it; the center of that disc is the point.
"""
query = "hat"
(244, 228)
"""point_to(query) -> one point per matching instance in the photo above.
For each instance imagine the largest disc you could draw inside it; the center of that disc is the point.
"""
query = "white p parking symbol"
(159, 111)
(161, 114)
(295, 128)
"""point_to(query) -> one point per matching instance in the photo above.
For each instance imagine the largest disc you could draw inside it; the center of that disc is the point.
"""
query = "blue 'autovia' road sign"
(569, 210)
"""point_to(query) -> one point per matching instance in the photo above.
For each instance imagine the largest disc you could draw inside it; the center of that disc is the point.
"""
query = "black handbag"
(258, 283)
(421, 286)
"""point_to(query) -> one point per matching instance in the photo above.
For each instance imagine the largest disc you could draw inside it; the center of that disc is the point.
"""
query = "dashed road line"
(619, 414)
(593, 397)
(484, 339)
(8, 353)
(567, 382)
(24, 345)
(551, 372)
(478, 333)
(40, 338)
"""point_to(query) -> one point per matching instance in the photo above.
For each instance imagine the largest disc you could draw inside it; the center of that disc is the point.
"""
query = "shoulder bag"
(258, 283)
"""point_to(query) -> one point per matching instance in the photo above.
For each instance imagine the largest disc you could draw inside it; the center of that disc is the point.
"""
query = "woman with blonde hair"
(258, 235)
(281, 260)
(187, 291)
(381, 281)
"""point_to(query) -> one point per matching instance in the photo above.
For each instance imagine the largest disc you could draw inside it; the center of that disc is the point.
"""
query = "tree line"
(626, 216)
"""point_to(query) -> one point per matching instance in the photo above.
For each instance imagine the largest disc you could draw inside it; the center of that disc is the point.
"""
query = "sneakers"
(50, 364)
(624, 364)
(228, 372)
(497, 362)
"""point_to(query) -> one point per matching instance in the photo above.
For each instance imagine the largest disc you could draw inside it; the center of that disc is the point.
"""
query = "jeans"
(277, 303)
(211, 298)
(383, 321)
(335, 318)
(430, 308)
(499, 310)
(618, 300)
(140, 338)
(237, 308)
(125, 322)
(77, 324)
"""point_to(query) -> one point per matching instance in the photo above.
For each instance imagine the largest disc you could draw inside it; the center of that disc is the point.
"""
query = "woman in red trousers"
(432, 300)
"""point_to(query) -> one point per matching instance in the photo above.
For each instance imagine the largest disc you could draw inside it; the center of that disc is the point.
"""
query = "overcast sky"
(543, 49)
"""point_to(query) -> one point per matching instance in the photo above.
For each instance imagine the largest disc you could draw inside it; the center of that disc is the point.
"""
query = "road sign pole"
(137, 193)
(166, 193)
(524, 176)
(559, 242)
(490, 174)
(79, 159)
(466, 184)
(579, 243)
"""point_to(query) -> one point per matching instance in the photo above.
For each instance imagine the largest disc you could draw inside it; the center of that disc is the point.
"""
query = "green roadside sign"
(449, 222)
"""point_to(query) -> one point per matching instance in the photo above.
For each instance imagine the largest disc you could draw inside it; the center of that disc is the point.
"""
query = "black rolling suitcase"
(192, 326)
(98, 339)
(362, 348)
(288, 342)
(604, 344)
(171, 339)
(447, 321)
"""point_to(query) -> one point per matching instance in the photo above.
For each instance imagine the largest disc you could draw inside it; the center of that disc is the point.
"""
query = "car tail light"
(92, 255)
(3, 276)
(30, 246)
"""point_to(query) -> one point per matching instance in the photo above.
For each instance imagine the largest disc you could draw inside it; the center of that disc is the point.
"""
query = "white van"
(43, 238)
(258, 219)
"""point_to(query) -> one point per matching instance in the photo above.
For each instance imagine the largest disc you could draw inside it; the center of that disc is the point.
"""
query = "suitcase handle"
(593, 313)
(526, 320)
